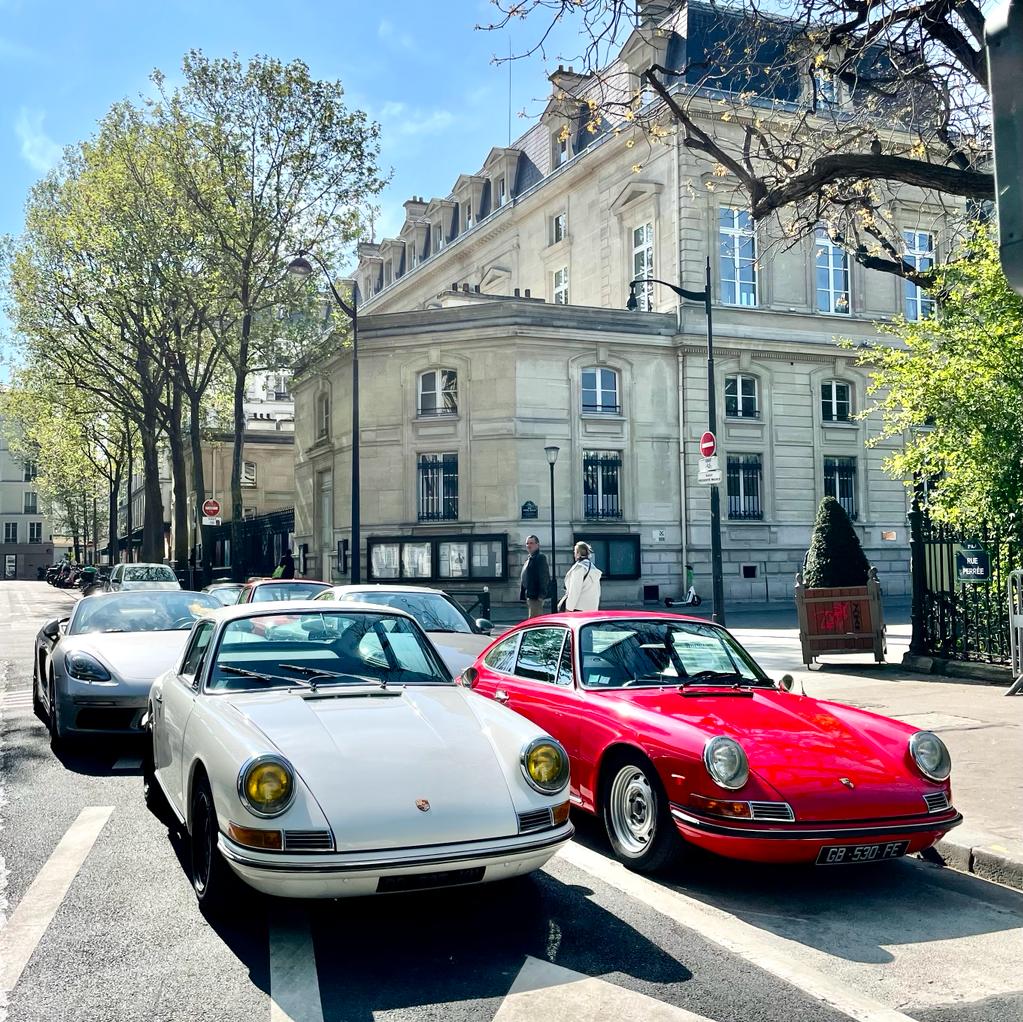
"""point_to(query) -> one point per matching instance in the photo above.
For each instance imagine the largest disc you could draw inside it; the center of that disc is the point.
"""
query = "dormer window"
(438, 237)
(468, 214)
(411, 249)
(500, 196)
(560, 150)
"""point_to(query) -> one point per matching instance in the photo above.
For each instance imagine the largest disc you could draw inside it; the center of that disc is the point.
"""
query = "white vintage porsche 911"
(321, 751)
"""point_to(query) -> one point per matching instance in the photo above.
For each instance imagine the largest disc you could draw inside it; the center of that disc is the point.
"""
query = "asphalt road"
(106, 927)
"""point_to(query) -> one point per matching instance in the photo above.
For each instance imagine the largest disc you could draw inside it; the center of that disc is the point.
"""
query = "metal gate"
(962, 620)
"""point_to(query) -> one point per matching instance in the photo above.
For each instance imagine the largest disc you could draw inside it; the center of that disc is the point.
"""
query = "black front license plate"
(844, 855)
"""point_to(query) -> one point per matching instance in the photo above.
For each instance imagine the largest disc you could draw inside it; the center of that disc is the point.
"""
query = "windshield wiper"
(316, 672)
(714, 676)
(265, 677)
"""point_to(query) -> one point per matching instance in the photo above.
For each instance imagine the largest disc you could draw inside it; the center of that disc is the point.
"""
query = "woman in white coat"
(582, 582)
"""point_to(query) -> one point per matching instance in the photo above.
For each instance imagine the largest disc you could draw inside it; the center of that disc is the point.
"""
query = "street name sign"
(708, 444)
(210, 508)
(709, 473)
(973, 563)
(212, 520)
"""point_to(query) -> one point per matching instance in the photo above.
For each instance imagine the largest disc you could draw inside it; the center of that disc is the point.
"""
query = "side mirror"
(484, 625)
(786, 683)
(52, 629)
(469, 677)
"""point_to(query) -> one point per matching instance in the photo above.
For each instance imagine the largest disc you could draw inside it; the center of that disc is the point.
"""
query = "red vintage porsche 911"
(676, 735)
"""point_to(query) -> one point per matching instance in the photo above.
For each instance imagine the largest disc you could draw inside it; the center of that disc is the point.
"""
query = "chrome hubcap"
(633, 810)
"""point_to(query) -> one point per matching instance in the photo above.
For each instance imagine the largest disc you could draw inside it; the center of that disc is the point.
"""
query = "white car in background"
(331, 755)
(457, 637)
(142, 576)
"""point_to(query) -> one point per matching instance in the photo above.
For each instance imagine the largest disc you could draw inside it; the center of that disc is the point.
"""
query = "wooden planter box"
(841, 620)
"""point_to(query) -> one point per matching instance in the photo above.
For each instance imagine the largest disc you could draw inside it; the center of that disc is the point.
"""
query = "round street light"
(552, 453)
(300, 267)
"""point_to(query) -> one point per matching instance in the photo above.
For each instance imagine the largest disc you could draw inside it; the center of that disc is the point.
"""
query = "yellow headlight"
(546, 765)
(267, 786)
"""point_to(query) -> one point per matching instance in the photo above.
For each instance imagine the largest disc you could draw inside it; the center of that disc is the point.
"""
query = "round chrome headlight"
(266, 785)
(930, 755)
(726, 762)
(545, 765)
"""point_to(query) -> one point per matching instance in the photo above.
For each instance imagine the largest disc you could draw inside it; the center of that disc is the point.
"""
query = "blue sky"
(417, 66)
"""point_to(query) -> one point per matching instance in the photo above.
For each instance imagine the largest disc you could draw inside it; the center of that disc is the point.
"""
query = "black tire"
(212, 879)
(37, 704)
(156, 801)
(637, 818)
(58, 741)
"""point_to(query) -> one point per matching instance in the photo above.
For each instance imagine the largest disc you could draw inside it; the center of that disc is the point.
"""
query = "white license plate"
(844, 855)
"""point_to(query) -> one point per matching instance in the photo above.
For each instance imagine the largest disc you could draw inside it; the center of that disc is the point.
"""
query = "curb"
(982, 674)
(984, 857)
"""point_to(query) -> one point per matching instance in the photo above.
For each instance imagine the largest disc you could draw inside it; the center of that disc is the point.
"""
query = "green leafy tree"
(835, 558)
(953, 391)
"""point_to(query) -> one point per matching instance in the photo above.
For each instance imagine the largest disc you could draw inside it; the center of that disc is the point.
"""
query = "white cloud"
(399, 119)
(38, 150)
(388, 34)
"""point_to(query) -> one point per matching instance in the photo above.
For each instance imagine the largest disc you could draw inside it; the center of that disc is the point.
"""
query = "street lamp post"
(704, 296)
(301, 267)
(552, 456)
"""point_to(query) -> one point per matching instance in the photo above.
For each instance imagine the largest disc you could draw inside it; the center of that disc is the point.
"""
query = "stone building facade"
(494, 324)
(26, 542)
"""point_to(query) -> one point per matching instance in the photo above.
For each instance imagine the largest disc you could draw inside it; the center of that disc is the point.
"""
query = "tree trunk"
(112, 502)
(179, 481)
(130, 517)
(152, 514)
(238, 566)
(199, 484)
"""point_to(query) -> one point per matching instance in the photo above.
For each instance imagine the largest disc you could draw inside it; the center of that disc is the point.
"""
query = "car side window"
(565, 664)
(197, 649)
(502, 656)
(540, 654)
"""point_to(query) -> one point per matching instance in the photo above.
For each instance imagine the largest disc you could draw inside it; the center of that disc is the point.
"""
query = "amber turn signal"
(721, 807)
(561, 813)
(253, 837)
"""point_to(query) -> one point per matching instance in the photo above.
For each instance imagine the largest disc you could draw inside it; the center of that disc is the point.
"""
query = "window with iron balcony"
(744, 475)
(602, 484)
(437, 393)
(741, 397)
(437, 487)
(836, 401)
(600, 391)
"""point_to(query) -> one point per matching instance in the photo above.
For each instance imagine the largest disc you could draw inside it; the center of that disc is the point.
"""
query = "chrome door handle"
(501, 696)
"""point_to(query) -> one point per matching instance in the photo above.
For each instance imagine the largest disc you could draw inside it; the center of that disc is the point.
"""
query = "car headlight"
(85, 667)
(930, 755)
(545, 765)
(266, 785)
(726, 762)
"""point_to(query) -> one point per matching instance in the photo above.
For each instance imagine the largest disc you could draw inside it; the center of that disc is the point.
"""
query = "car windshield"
(618, 653)
(161, 611)
(433, 611)
(277, 592)
(331, 648)
(149, 573)
(226, 595)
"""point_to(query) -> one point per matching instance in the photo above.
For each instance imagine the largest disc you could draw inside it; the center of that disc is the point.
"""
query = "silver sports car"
(93, 671)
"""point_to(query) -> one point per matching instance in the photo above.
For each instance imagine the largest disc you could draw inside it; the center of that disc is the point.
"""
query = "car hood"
(459, 649)
(801, 748)
(131, 657)
(367, 758)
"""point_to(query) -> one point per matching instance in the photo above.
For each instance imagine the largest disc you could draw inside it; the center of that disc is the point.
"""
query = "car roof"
(586, 617)
(238, 611)
(286, 582)
(381, 587)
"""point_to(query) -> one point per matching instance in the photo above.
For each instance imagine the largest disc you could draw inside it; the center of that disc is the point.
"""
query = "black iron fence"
(961, 609)
(263, 539)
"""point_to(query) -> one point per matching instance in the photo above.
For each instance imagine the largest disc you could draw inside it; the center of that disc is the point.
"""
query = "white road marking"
(547, 992)
(294, 986)
(27, 924)
(128, 763)
(774, 954)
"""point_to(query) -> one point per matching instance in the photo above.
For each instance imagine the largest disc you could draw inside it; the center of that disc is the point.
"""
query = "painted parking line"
(544, 992)
(294, 985)
(774, 954)
(27, 924)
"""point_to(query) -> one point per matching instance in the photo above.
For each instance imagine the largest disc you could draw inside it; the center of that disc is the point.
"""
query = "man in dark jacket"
(288, 564)
(535, 581)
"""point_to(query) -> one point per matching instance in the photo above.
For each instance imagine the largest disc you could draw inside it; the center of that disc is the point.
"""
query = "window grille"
(840, 483)
(602, 484)
(745, 472)
(438, 487)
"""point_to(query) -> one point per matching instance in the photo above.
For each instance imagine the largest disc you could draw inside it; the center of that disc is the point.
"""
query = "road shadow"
(852, 912)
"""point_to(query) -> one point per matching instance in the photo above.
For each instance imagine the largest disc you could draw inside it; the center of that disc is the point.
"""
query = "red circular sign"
(211, 508)
(708, 444)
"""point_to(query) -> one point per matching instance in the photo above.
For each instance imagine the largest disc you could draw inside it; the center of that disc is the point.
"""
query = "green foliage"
(835, 558)
(953, 393)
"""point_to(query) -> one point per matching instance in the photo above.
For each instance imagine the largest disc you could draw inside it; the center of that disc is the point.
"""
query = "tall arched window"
(323, 417)
(600, 391)
(836, 401)
(437, 393)
(741, 396)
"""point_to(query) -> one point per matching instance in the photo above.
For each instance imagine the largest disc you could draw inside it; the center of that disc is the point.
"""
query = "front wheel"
(37, 703)
(212, 879)
(58, 737)
(637, 818)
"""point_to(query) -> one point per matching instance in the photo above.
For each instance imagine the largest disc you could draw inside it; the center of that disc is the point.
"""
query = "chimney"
(516, 292)
(477, 289)
(465, 287)
(652, 12)
(527, 292)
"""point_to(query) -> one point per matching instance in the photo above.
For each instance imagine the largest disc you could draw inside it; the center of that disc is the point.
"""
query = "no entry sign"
(211, 508)
(708, 444)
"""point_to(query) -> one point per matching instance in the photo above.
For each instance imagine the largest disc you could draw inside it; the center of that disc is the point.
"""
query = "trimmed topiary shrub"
(835, 558)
